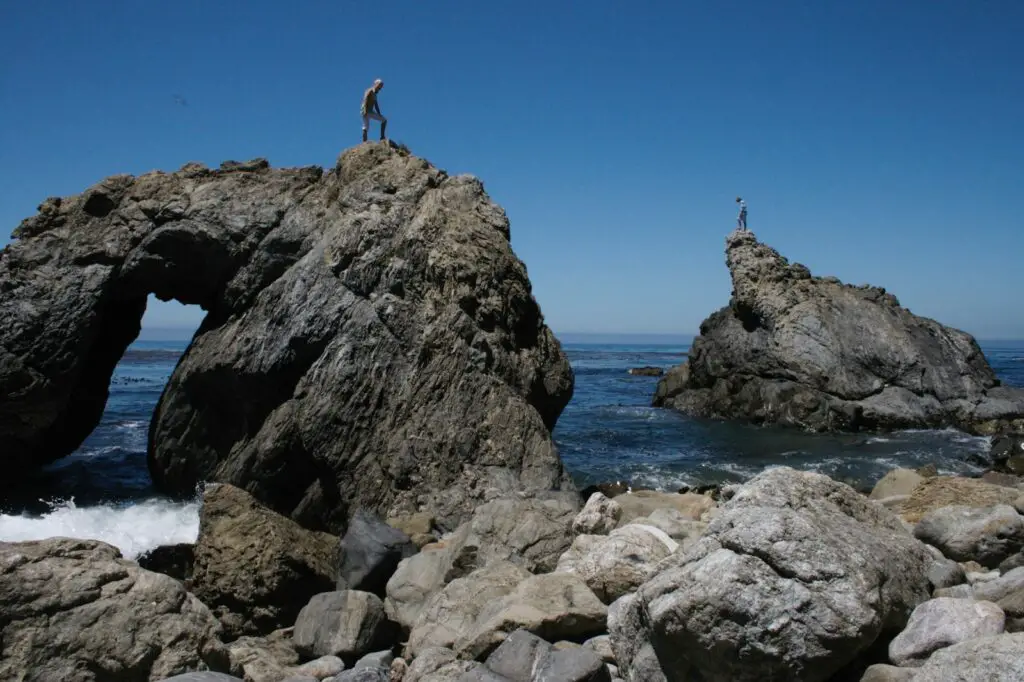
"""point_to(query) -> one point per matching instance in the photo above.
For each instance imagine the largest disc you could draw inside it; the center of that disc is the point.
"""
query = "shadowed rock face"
(813, 352)
(370, 339)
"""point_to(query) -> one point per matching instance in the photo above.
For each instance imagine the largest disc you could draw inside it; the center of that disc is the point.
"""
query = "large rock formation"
(371, 339)
(816, 353)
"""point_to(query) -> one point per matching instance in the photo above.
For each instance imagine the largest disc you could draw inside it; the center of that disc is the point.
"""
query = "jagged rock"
(896, 482)
(643, 503)
(419, 527)
(532, 533)
(809, 352)
(370, 553)
(618, 563)
(985, 659)
(371, 339)
(946, 491)
(942, 622)
(75, 610)
(173, 560)
(987, 535)
(264, 659)
(795, 577)
(346, 624)
(598, 517)
(254, 567)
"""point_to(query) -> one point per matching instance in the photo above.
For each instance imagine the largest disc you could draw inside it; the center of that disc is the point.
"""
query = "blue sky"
(880, 142)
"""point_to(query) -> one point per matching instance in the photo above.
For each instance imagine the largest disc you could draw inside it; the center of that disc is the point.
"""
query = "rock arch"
(370, 337)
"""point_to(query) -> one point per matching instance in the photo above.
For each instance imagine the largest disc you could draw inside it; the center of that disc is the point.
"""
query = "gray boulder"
(369, 553)
(987, 535)
(986, 659)
(598, 517)
(794, 578)
(818, 354)
(363, 675)
(1003, 586)
(75, 611)
(346, 624)
(942, 622)
(373, 317)
(881, 672)
(321, 668)
(524, 657)
(255, 568)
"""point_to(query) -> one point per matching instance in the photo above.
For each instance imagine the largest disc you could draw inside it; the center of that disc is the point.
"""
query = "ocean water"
(608, 432)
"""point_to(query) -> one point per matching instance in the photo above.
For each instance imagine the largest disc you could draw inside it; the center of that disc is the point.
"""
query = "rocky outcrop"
(816, 353)
(254, 567)
(796, 577)
(371, 339)
(74, 610)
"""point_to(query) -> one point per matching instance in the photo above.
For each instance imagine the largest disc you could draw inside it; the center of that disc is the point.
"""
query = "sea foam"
(134, 529)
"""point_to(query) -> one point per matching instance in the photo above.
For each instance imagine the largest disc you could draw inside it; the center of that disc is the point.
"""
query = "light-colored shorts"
(375, 116)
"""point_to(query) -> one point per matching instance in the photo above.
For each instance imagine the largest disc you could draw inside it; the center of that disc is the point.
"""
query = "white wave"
(134, 529)
(878, 439)
(131, 425)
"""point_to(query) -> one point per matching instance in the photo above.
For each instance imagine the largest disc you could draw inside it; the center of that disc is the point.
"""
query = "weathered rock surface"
(618, 563)
(347, 624)
(987, 535)
(370, 552)
(794, 578)
(254, 567)
(264, 659)
(75, 611)
(986, 659)
(945, 491)
(173, 560)
(599, 516)
(371, 339)
(524, 657)
(815, 353)
(942, 622)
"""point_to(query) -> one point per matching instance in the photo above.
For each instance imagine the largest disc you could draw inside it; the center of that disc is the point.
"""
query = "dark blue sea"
(608, 432)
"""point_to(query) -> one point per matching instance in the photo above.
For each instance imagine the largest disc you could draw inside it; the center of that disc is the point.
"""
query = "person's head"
(378, 84)
(738, 200)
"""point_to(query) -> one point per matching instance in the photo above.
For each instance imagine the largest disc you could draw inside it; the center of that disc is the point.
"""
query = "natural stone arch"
(370, 337)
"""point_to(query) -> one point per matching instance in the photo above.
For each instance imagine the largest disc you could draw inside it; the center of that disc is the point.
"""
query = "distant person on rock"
(371, 109)
(741, 219)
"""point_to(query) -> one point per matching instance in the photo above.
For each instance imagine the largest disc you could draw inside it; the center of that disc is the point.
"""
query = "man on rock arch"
(371, 109)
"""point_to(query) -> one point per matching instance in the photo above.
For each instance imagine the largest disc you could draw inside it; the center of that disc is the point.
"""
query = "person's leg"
(366, 125)
(743, 219)
(383, 127)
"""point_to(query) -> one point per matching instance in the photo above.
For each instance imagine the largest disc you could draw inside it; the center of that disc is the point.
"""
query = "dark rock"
(347, 624)
(524, 657)
(370, 552)
(928, 471)
(646, 371)
(806, 352)
(371, 339)
(609, 490)
(1004, 447)
(378, 659)
(363, 675)
(203, 677)
(255, 568)
(75, 610)
(173, 560)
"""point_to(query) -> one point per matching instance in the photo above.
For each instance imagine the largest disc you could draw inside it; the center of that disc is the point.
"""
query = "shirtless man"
(371, 109)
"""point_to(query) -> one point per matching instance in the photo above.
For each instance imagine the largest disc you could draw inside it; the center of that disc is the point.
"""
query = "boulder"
(420, 527)
(346, 624)
(1013, 606)
(677, 526)
(524, 657)
(987, 535)
(173, 560)
(254, 567)
(795, 578)
(264, 659)
(643, 503)
(203, 677)
(999, 658)
(373, 315)
(1003, 586)
(369, 553)
(378, 659)
(880, 672)
(75, 610)
(944, 491)
(598, 517)
(438, 664)
(602, 646)
(1007, 446)
(815, 353)
(362, 675)
(617, 564)
(896, 482)
(942, 622)
(321, 668)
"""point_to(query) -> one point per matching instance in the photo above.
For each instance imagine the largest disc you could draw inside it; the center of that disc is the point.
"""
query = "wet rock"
(171, 560)
(598, 517)
(985, 659)
(795, 578)
(346, 624)
(945, 491)
(619, 563)
(646, 371)
(940, 623)
(373, 315)
(818, 354)
(68, 604)
(370, 552)
(987, 535)
(255, 568)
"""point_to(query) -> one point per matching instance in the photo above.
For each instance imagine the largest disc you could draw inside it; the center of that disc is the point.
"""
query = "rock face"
(74, 610)
(815, 353)
(371, 339)
(255, 568)
(794, 578)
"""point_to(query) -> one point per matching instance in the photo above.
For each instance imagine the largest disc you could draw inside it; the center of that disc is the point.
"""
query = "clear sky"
(877, 141)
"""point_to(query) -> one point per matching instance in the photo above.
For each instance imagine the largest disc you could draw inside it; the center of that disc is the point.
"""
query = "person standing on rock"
(741, 219)
(371, 109)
